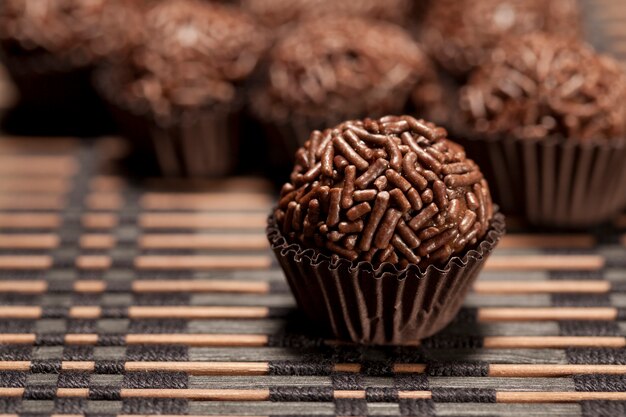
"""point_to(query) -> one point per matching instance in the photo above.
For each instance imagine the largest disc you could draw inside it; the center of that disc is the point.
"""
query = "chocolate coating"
(78, 30)
(194, 53)
(459, 34)
(541, 85)
(340, 68)
(275, 13)
(433, 202)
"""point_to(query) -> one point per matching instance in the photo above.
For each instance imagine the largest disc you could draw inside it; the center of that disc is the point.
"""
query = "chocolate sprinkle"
(374, 212)
(539, 86)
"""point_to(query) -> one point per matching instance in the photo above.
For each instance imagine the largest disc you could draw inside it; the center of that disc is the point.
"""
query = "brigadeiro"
(277, 13)
(383, 228)
(339, 68)
(182, 86)
(548, 115)
(460, 34)
(51, 46)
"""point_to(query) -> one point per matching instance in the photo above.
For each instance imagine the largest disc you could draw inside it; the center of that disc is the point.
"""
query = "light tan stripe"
(20, 312)
(208, 201)
(487, 314)
(93, 262)
(145, 312)
(97, 241)
(25, 262)
(99, 220)
(557, 397)
(545, 262)
(551, 370)
(35, 185)
(230, 184)
(551, 342)
(90, 286)
(85, 312)
(31, 202)
(206, 241)
(104, 201)
(17, 165)
(254, 287)
(63, 145)
(199, 340)
(199, 394)
(78, 366)
(530, 287)
(28, 241)
(81, 339)
(202, 221)
(107, 183)
(520, 241)
(199, 262)
(29, 221)
(201, 368)
(26, 287)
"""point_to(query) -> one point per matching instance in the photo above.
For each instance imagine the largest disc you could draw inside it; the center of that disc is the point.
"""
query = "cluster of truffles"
(392, 190)
(346, 68)
(275, 13)
(194, 54)
(459, 34)
(540, 85)
(78, 29)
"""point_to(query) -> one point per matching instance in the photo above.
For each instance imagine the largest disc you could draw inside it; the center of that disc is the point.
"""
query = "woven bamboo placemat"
(161, 297)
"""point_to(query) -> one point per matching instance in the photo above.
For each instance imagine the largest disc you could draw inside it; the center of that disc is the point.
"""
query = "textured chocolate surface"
(280, 12)
(459, 34)
(390, 190)
(76, 29)
(541, 85)
(194, 53)
(342, 68)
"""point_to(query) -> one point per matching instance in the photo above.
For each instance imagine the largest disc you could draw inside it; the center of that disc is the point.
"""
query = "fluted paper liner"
(554, 182)
(198, 142)
(359, 303)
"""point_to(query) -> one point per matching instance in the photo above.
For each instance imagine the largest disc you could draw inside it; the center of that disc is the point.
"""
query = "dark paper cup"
(197, 143)
(554, 182)
(382, 306)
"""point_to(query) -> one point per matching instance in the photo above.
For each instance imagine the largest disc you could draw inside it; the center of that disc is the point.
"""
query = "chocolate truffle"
(393, 190)
(459, 34)
(194, 53)
(76, 31)
(339, 68)
(275, 13)
(542, 85)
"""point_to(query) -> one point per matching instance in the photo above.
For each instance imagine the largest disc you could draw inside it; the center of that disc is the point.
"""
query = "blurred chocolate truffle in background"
(340, 68)
(189, 70)
(459, 34)
(541, 86)
(276, 13)
(50, 48)
(76, 32)
(392, 190)
(193, 53)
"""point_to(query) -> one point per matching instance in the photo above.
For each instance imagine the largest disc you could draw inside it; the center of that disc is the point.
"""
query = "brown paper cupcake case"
(359, 303)
(200, 142)
(554, 182)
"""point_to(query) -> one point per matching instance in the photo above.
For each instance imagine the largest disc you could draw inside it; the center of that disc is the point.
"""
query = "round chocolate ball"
(543, 86)
(459, 34)
(193, 54)
(393, 190)
(340, 68)
(275, 13)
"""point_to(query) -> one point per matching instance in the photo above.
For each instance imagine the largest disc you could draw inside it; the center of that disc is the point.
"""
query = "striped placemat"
(161, 297)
